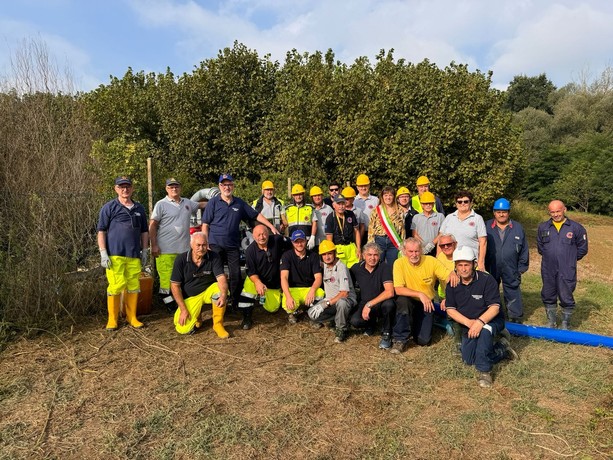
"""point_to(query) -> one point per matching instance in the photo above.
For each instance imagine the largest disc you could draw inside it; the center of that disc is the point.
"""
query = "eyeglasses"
(227, 185)
(462, 201)
(446, 245)
(334, 189)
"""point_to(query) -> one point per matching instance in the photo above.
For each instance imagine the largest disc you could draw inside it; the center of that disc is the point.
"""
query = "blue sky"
(95, 39)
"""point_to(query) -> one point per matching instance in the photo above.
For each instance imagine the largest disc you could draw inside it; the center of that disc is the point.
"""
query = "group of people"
(348, 259)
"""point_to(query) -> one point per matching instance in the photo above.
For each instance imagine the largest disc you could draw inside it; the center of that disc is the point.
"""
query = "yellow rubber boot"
(218, 322)
(131, 302)
(113, 303)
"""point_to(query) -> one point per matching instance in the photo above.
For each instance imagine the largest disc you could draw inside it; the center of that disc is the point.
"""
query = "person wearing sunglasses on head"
(123, 239)
(467, 227)
(262, 264)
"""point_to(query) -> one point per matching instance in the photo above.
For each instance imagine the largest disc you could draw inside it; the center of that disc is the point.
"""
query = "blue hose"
(560, 335)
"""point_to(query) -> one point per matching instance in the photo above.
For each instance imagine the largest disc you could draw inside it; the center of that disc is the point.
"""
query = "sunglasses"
(446, 245)
(462, 201)
(334, 189)
(268, 256)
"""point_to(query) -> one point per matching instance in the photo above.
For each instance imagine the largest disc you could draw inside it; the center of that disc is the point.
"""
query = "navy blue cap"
(298, 235)
(225, 176)
(123, 180)
(172, 181)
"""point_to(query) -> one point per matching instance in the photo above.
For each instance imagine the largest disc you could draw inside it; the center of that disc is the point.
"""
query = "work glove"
(316, 310)
(311, 242)
(428, 247)
(144, 256)
(105, 261)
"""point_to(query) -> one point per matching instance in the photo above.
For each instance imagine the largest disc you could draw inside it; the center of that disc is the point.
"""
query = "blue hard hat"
(502, 204)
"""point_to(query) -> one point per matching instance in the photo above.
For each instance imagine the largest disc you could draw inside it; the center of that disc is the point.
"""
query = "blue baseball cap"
(225, 176)
(298, 235)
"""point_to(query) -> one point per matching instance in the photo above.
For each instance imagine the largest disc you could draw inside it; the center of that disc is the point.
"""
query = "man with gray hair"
(415, 277)
(374, 278)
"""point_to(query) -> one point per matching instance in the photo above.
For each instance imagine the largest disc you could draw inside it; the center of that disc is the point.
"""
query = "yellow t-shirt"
(421, 277)
(558, 225)
(450, 265)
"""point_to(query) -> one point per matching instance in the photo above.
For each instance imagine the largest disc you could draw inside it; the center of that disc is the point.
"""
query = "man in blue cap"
(561, 242)
(301, 277)
(507, 256)
(221, 225)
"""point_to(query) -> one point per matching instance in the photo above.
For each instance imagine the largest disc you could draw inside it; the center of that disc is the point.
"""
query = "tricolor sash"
(389, 228)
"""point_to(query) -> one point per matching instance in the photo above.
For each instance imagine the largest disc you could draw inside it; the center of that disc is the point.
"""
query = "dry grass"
(281, 391)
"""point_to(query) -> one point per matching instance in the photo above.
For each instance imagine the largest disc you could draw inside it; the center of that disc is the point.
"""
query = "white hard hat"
(464, 253)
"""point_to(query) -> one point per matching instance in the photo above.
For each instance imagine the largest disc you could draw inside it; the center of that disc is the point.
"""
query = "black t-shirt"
(472, 300)
(346, 234)
(371, 284)
(266, 264)
(301, 270)
(196, 279)
(408, 220)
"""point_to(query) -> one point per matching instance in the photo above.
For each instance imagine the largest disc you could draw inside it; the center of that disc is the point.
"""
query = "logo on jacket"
(477, 296)
(349, 219)
(569, 235)
(235, 209)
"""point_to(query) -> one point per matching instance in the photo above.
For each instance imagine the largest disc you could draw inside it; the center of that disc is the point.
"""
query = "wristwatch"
(327, 303)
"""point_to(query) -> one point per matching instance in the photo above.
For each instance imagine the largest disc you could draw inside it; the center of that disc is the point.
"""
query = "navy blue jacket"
(562, 250)
(508, 258)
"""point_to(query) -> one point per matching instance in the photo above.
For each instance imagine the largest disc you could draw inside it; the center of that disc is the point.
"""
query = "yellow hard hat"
(423, 180)
(326, 246)
(348, 192)
(402, 191)
(315, 190)
(267, 184)
(297, 189)
(362, 180)
(427, 197)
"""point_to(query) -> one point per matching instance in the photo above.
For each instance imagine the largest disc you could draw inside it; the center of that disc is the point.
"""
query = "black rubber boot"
(566, 314)
(247, 322)
(551, 315)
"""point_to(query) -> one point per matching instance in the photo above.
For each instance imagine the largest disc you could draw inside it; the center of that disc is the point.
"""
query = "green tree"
(532, 92)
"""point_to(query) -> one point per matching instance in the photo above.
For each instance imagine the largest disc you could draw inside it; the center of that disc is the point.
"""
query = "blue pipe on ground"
(560, 335)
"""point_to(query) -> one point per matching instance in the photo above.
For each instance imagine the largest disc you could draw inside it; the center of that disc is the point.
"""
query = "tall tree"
(527, 91)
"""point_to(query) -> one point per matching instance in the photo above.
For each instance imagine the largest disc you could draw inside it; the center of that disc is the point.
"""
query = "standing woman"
(467, 226)
(386, 226)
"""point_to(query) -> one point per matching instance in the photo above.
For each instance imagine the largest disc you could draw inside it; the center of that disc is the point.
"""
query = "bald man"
(561, 242)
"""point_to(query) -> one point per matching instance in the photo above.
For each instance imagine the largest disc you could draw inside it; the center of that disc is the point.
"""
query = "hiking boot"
(292, 318)
(341, 335)
(386, 342)
(484, 380)
(398, 348)
(511, 354)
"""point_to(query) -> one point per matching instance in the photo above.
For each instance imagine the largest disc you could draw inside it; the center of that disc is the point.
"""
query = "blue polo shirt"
(224, 220)
(472, 300)
(123, 228)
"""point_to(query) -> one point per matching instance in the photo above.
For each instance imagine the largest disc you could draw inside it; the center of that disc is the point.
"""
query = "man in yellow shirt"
(415, 278)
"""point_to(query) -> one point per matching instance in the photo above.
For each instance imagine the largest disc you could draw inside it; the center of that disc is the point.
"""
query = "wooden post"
(150, 184)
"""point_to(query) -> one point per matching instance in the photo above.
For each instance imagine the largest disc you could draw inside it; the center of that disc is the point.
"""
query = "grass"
(279, 391)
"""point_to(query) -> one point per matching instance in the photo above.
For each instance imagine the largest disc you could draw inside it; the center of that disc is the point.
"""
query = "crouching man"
(340, 295)
(197, 278)
(475, 304)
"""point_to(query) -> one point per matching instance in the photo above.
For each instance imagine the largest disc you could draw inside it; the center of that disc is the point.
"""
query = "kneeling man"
(475, 304)
(197, 278)
(340, 295)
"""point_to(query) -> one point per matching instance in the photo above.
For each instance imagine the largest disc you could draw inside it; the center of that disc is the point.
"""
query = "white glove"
(144, 256)
(428, 247)
(316, 310)
(105, 261)
(311, 242)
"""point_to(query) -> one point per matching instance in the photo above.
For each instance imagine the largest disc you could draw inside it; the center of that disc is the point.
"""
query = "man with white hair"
(474, 303)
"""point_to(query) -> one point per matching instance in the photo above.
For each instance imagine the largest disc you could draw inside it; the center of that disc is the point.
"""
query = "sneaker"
(369, 332)
(292, 318)
(397, 348)
(341, 335)
(510, 353)
(484, 380)
(386, 342)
